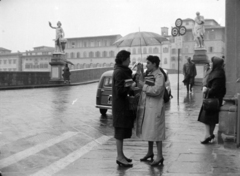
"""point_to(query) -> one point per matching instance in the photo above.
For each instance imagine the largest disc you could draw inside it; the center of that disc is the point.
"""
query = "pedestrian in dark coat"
(123, 118)
(215, 88)
(66, 74)
(189, 72)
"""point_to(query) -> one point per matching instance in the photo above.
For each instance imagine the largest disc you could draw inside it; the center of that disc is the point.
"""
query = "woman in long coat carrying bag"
(123, 118)
(151, 111)
(215, 88)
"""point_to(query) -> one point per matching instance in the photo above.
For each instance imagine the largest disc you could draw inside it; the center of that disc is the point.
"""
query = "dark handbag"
(211, 104)
(133, 102)
(166, 96)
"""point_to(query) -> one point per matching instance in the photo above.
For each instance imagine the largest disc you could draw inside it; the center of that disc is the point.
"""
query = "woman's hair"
(154, 59)
(217, 63)
(122, 56)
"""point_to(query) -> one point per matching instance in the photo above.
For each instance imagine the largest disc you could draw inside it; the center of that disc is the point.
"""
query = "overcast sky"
(24, 23)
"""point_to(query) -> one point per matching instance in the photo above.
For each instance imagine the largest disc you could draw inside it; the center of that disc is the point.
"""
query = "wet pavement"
(58, 131)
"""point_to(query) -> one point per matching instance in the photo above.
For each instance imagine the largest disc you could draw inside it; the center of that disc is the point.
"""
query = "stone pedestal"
(200, 59)
(57, 63)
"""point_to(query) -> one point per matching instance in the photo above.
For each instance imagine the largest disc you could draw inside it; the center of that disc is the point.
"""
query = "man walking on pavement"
(189, 72)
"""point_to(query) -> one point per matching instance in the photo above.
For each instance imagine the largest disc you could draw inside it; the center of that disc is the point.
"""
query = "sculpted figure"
(199, 30)
(59, 47)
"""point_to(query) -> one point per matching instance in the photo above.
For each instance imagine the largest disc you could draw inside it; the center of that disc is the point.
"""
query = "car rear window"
(107, 82)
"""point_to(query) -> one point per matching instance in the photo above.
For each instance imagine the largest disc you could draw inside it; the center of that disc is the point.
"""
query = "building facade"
(214, 42)
(10, 61)
(38, 59)
(91, 52)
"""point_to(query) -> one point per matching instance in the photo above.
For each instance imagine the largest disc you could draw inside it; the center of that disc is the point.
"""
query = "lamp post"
(178, 32)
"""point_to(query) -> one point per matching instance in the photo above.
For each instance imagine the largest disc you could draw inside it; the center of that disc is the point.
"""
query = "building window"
(72, 55)
(73, 44)
(78, 55)
(173, 59)
(155, 50)
(9, 61)
(0, 62)
(211, 49)
(165, 60)
(92, 44)
(97, 54)
(85, 44)
(150, 50)
(133, 51)
(173, 51)
(5, 62)
(139, 51)
(144, 50)
(104, 53)
(91, 54)
(165, 49)
(84, 54)
(111, 53)
(211, 35)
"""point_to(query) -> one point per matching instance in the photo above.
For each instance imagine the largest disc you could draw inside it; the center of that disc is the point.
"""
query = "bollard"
(227, 121)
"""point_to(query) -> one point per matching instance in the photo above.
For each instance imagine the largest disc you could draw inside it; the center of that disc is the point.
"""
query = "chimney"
(164, 31)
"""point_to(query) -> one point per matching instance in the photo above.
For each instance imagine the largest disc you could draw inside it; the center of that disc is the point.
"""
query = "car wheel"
(103, 111)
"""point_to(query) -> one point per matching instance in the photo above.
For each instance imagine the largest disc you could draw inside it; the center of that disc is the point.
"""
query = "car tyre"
(103, 111)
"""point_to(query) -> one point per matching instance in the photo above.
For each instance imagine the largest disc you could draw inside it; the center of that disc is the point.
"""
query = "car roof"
(108, 73)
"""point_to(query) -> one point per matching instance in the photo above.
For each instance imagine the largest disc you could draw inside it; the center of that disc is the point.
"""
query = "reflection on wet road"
(39, 127)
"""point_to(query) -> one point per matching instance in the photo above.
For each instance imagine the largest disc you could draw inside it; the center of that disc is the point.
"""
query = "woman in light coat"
(151, 111)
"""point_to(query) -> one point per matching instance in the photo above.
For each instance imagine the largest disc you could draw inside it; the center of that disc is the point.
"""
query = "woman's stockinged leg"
(119, 144)
(159, 150)
(150, 148)
(212, 127)
(207, 131)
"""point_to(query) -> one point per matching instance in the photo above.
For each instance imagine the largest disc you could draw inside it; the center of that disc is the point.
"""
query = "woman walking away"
(123, 119)
(151, 111)
(215, 88)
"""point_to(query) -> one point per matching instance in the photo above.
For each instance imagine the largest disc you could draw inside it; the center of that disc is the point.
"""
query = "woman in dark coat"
(123, 119)
(66, 74)
(215, 88)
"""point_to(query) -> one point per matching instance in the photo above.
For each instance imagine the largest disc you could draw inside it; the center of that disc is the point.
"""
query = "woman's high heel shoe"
(156, 163)
(128, 159)
(145, 158)
(207, 140)
(124, 164)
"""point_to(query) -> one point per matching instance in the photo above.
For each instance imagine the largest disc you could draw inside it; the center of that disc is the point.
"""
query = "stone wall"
(36, 79)
(23, 78)
(85, 75)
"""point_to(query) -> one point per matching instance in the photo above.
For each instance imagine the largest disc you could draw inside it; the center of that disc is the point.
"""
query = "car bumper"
(103, 107)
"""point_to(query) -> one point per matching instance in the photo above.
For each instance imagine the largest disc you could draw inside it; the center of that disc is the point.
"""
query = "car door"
(106, 92)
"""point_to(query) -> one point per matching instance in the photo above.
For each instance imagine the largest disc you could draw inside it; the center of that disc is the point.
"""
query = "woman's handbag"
(133, 102)
(211, 104)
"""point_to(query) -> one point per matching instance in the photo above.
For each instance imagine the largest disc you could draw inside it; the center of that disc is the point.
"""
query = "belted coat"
(122, 116)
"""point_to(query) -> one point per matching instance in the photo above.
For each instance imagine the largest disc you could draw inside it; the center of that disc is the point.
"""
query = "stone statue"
(199, 30)
(60, 41)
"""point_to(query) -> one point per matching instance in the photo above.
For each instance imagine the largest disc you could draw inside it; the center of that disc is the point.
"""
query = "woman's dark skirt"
(122, 133)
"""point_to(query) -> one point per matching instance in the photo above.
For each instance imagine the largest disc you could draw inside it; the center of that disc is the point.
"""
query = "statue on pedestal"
(199, 30)
(60, 41)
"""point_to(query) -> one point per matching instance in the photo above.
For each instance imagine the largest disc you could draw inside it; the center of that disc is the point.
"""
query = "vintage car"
(104, 91)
